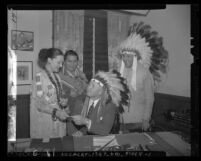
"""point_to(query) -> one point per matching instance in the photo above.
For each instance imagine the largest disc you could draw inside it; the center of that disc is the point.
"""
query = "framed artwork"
(24, 72)
(22, 40)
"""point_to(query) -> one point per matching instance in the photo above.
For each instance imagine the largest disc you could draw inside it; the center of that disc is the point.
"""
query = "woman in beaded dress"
(48, 108)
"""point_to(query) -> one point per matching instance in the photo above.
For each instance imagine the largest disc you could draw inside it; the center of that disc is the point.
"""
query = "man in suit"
(104, 97)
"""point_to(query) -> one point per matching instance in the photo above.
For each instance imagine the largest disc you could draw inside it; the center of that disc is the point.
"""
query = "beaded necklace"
(57, 86)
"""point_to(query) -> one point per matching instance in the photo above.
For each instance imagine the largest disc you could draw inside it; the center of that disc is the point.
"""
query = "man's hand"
(145, 125)
(77, 134)
(79, 120)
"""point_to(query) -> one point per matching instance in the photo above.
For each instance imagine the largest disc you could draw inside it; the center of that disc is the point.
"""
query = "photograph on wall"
(24, 72)
(22, 40)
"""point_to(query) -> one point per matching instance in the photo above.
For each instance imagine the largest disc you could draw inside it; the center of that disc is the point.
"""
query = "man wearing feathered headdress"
(107, 93)
(142, 58)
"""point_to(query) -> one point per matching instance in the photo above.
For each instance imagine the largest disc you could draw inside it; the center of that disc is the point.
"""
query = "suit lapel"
(99, 111)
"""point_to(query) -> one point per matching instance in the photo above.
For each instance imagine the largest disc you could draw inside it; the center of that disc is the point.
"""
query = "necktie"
(90, 110)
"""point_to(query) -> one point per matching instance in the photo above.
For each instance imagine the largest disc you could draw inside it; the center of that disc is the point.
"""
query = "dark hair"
(70, 52)
(44, 54)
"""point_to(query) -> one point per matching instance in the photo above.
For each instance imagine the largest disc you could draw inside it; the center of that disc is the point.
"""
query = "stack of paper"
(105, 141)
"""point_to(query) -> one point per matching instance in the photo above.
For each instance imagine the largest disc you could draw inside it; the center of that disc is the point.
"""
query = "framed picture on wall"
(22, 40)
(24, 72)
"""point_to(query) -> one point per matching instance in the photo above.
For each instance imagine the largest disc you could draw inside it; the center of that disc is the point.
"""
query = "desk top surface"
(169, 142)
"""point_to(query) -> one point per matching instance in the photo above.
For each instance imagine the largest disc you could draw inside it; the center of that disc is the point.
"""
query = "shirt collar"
(93, 101)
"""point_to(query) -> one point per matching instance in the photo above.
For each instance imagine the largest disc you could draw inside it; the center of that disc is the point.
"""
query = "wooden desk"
(169, 142)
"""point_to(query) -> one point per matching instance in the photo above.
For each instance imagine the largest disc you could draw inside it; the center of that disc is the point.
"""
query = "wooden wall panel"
(165, 102)
(23, 116)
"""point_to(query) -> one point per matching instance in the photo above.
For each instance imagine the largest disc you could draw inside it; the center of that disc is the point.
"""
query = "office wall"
(38, 22)
(172, 23)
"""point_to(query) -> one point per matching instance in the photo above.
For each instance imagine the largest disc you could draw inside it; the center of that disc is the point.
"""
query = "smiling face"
(71, 63)
(56, 63)
(94, 89)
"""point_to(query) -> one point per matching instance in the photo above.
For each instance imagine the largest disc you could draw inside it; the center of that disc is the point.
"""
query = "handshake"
(62, 115)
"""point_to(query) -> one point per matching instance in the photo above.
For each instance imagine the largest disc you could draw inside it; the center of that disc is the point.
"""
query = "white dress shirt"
(90, 103)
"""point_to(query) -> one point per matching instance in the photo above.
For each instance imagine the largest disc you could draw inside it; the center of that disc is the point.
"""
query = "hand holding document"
(61, 115)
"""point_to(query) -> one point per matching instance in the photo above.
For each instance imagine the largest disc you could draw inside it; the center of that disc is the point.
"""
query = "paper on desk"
(151, 140)
(100, 141)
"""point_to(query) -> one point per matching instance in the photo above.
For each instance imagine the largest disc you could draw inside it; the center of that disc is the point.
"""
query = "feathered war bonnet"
(116, 88)
(149, 46)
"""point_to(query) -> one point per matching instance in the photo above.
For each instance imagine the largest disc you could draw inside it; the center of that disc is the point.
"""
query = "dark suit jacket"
(102, 120)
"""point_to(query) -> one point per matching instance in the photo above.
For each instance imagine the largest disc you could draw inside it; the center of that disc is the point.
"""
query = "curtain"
(118, 25)
(95, 42)
(68, 29)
